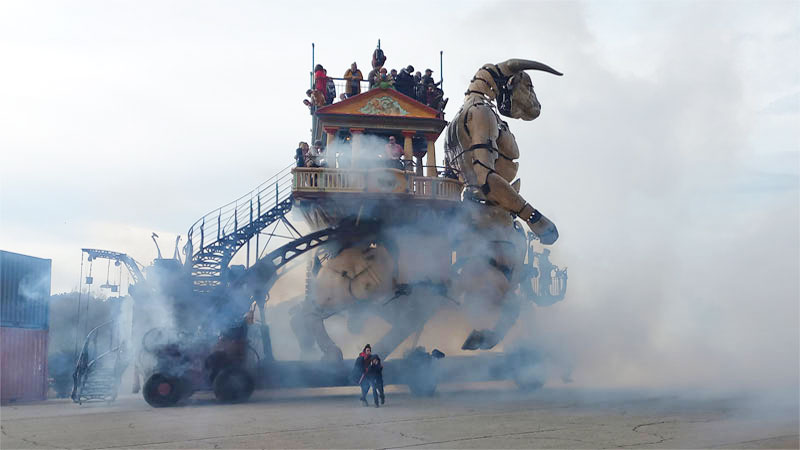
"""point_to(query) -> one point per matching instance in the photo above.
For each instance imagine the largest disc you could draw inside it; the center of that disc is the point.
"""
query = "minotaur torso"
(459, 139)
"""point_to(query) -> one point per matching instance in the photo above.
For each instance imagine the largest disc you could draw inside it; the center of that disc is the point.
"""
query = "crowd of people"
(310, 157)
(315, 156)
(421, 88)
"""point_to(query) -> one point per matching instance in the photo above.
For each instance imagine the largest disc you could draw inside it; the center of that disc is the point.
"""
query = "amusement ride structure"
(400, 239)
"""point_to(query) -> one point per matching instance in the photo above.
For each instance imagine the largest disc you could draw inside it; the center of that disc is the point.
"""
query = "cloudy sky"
(668, 153)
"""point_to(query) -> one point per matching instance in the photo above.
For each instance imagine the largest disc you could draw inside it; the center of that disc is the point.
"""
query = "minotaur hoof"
(480, 340)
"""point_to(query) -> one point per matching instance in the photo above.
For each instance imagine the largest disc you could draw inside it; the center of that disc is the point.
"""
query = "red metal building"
(24, 316)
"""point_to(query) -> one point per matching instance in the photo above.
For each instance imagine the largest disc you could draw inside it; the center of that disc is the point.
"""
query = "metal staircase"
(99, 367)
(216, 237)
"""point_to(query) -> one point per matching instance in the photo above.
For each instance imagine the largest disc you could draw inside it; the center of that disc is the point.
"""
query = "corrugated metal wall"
(23, 365)
(24, 291)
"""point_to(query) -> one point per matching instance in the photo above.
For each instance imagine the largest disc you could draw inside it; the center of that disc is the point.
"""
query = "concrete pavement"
(485, 415)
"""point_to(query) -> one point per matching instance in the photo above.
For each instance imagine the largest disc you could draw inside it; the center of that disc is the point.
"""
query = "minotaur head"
(522, 102)
(511, 86)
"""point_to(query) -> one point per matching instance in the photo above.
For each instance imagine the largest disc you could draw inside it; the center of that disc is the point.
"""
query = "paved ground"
(489, 415)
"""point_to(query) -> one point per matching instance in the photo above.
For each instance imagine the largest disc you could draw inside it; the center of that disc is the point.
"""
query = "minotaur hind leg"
(304, 337)
(330, 351)
(487, 339)
(312, 321)
(407, 314)
(488, 281)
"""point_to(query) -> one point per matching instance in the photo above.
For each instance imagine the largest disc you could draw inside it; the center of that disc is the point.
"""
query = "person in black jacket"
(404, 82)
(374, 376)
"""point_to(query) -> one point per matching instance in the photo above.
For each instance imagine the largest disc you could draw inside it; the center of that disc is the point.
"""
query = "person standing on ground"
(374, 375)
(360, 372)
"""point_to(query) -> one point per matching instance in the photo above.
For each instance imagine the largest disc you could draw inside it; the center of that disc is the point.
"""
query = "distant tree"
(67, 323)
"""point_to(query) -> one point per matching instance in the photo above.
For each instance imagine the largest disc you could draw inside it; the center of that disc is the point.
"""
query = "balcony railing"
(376, 181)
(341, 84)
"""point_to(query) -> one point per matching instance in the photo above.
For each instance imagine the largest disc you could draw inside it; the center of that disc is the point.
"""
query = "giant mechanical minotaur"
(488, 242)
(480, 145)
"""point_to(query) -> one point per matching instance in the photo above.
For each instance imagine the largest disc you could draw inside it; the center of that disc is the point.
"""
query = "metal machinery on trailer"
(357, 199)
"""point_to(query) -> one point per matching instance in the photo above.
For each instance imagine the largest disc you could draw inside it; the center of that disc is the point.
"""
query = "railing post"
(276, 193)
(202, 233)
(236, 216)
(248, 241)
(219, 225)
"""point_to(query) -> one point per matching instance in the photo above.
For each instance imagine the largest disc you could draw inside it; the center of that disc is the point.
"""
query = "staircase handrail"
(271, 192)
(83, 365)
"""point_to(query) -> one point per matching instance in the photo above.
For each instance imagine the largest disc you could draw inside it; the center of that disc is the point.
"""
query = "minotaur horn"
(513, 66)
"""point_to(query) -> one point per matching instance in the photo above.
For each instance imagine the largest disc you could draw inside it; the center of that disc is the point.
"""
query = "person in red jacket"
(360, 372)
(320, 79)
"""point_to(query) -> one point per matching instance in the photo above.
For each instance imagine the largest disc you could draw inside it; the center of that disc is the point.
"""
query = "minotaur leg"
(407, 314)
(303, 335)
(311, 321)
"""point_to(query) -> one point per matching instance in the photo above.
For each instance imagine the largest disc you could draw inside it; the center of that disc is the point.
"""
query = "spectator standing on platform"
(427, 79)
(384, 81)
(353, 83)
(300, 154)
(435, 97)
(394, 153)
(404, 81)
(319, 78)
(315, 155)
(314, 100)
(419, 88)
(330, 89)
(378, 60)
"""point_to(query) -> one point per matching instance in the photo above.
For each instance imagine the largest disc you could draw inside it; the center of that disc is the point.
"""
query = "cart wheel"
(423, 386)
(528, 371)
(528, 385)
(160, 391)
(422, 380)
(233, 385)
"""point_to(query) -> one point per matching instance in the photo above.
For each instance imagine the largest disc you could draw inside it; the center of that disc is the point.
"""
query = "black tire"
(423, 381)
(528, 385)
(422, 378)
(161, 391)
(527, 369)
(233, 385)
(425, 387)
